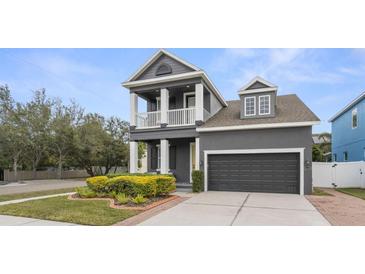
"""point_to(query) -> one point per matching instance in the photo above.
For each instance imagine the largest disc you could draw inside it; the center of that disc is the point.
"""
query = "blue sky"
(325, 79)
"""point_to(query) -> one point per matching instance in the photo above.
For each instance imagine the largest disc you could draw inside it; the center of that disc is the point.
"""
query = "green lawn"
(357, 192)
(8, 197)
(320, 192)
(64, 210)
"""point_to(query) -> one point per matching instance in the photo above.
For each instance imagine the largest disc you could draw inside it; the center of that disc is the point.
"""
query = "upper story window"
(354, 120)
(345, 156)
(250, 106)
(264, 104)
(335, 157)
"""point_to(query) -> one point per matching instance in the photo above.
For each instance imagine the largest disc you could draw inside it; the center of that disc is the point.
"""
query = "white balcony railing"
(148, 119)
(181, 117)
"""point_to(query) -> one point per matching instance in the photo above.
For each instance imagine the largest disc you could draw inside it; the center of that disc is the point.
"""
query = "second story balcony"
(186, 105)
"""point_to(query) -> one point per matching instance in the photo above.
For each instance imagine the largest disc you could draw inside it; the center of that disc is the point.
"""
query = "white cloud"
(284, 65)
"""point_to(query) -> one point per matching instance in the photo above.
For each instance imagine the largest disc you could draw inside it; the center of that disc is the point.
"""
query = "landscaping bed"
(113, 203)
(132, 191)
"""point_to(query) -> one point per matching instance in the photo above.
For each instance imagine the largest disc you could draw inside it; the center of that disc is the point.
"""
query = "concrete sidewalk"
(39, 185)
(34, 198)
(238, 208)
(22, 221)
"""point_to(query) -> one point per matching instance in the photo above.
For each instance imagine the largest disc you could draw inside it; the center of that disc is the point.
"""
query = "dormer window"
(163, 69)
(250, 106)
(264, 104)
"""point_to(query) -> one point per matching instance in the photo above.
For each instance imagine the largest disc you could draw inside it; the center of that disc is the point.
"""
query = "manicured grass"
(72, 211)
(357, 192)
(320, 192)
(8, 197)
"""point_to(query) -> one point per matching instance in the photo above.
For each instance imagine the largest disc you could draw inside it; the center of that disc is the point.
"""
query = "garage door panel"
(254, 172)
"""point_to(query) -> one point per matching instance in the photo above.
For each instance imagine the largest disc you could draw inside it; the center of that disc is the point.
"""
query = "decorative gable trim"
(347, 107)
(154, 58)
(246, 88)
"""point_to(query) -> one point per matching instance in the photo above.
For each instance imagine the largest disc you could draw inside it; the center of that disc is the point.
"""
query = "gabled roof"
(347, 107)
(197, 72)
(154, 57)
(265, 86)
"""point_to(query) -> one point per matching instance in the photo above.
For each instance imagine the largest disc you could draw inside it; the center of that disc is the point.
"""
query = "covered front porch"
(177, 156)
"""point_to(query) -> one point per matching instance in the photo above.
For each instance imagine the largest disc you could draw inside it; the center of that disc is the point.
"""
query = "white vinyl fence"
(343, 174)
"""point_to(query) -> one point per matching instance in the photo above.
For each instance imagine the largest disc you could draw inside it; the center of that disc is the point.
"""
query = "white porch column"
(164, 147)
(199, 102)
(197, 153)
(133, 156)
(164, 106)
(133, 109)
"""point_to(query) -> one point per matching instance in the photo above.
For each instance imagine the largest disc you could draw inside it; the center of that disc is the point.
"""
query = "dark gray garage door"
(278, 173)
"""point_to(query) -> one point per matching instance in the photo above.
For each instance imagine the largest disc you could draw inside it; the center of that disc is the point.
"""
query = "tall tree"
(38, 121)
(101, 144)
(12, 130)
(62, 131)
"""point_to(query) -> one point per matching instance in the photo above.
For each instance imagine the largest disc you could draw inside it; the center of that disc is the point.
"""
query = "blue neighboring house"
(348, 132)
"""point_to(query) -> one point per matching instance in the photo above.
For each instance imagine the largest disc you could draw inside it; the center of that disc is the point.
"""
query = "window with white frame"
(250, 106)
(264, 104)
(354, 118)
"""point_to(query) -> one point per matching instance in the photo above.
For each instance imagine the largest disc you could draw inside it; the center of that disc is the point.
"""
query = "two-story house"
(348, 132)
(260, 142)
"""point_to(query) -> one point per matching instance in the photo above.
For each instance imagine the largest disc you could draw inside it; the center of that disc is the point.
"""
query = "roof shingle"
(289, 109)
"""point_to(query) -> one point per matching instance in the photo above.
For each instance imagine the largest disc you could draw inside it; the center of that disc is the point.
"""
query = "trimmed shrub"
(132, 185)
(165, 185)
(97, 183)
(122, 198)
(139, 199)
(113, 175)
(198, 180)
(85, 192)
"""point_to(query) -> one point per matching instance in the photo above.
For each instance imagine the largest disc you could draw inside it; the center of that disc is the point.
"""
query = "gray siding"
(261, 139)
(215, 105)
(257, 85)
(257, 95)
(182, 158)
(177, 68)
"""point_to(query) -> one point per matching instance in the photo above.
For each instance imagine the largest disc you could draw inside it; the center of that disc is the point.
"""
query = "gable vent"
(163, 69)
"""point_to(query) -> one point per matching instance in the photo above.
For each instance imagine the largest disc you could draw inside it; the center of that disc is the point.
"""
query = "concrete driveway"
(238, 208)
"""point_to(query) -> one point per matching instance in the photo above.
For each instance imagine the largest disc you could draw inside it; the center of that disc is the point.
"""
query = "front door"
(192, 159)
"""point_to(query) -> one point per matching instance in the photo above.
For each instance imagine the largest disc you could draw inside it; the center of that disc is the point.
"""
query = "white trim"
(257, 79)
(347, 107)
(262, 96)
(154, 57)
(299, 150)
(258, 126)
(197, 153)
(176, 77)
(354, 112)
(254, 106)
(133, 156)
(186, 94)
(191, 160)
(259, 90)
(158, 103)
